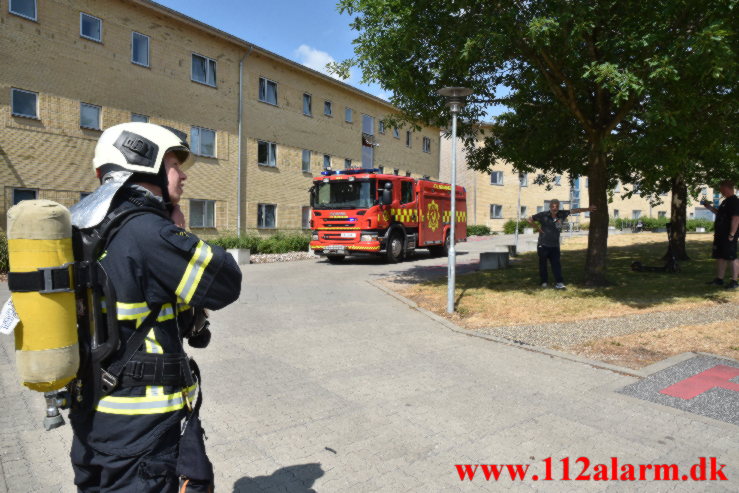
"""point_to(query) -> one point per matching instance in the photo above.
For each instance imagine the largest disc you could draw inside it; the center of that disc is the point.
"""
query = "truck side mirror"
(387, 194)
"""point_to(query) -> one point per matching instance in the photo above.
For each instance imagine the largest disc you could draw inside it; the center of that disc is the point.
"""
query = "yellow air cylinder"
(47, 352)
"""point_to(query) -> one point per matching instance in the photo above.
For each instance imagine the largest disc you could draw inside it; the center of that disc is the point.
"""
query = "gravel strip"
(268, 258)
(571, 333)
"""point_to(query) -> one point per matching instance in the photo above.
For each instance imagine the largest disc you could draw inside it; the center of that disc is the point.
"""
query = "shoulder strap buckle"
(109, 381)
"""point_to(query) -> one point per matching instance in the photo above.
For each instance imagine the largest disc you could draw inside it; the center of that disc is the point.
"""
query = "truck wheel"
(335, 259)
(441, 250)
(394, 248)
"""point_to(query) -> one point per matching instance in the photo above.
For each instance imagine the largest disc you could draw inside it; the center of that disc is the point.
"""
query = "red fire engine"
(365, 212)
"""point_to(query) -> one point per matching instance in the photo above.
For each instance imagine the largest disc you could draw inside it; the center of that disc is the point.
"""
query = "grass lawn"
(513, 296)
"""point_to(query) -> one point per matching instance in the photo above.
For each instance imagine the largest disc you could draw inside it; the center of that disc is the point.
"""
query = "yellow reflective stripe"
(153, 347)
(194, 272)
(145, 405)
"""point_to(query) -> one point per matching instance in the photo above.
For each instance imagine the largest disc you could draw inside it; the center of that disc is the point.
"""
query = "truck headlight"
(368, 238)
(314, 237)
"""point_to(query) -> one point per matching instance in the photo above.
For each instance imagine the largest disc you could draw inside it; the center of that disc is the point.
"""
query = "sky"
(310, 32)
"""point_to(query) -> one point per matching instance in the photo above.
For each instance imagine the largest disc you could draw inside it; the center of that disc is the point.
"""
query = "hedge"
(478, 230)
(4, 265)
(509, 227)
(277, 243)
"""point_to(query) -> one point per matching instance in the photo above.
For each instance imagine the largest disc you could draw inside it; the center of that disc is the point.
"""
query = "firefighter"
(128, 429)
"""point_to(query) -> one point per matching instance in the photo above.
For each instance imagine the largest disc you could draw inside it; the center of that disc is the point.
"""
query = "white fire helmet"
(139, 148)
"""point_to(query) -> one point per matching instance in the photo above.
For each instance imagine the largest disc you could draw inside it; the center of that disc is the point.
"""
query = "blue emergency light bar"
(350, 171)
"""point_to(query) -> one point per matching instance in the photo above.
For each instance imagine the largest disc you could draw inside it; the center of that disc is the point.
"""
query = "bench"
(496, 259)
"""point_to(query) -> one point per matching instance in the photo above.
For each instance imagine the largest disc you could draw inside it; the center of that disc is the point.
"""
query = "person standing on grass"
(725, 232)
(550, 226)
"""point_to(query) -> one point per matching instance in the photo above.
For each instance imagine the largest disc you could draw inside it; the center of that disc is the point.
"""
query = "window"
(426, 144)
(496, 178)
(348, 115)
(24, 103)
(267, 91)
(327, 108)
(140, 49)
(576, 183)
(91, 27)
(635, 214)
(558, 180)
(406, 192)
(306, 161)
(523, 179)
(408, 174)
(23, 194)
(396, 171)
(524, 209)
(90, 116)
(266, 215)
(381, 127)
(204, 70)
(661, 214)
(616, 213)
(368, 125)
(617, 188)
(408, 138)
(307, 105)
(305, 215)
(23, 8)
(347, 163)
(396, 132)
(539, 208)
(382, 169)
(135, 117)
(203, 141)
(496, 211)
(326, 161)
(202, 213)
(266, 153)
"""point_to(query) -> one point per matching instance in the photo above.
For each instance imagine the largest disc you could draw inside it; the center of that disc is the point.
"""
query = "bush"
(700, 223)
(478, 230)
(509, 227)
(277, 243)
(649, 224)
(4, 264)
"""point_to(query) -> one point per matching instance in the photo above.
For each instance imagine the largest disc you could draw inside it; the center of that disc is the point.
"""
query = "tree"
(575, 71)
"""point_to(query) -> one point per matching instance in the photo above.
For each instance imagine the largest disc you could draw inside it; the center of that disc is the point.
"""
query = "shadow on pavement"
(291, 479)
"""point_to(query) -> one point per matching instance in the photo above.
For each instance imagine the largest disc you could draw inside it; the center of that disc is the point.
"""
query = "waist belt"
(157, 370)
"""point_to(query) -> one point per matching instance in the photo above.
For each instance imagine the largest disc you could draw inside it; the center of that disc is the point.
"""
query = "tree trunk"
(595, 262)
(678, 217)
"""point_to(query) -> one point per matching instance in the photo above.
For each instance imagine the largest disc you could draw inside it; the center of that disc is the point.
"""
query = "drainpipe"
(240, 119)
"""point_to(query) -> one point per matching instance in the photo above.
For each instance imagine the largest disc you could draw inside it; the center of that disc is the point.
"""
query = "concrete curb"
(538, 349)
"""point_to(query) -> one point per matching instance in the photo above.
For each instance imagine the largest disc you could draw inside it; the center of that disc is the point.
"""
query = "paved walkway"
(318, 381)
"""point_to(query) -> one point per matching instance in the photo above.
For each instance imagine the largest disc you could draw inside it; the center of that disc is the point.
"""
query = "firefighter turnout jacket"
(152, 262)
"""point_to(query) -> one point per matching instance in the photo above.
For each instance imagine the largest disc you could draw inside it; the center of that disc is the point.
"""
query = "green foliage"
(4, 262)
(651, 223)
(478, 230)
(277, 243)
(509, 227)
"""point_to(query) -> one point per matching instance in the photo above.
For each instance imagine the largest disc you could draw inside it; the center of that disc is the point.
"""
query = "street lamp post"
(455, 100)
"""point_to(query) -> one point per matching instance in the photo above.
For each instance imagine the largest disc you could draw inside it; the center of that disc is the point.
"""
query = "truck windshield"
(344, 195)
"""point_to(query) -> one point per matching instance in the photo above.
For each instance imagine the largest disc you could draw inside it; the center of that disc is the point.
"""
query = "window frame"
(616, 213)
(330, 107)
(148, 49)
(633, 213)
(260, 206)
(13, 113)
(348, 112)
(197, 151)
(139, 114)
(303, 161)
(381, 127)
(271, 149)
(100, 116)
(324, 161)
(408, 139)
(259, 91)
(35, 11)
(347, 163)
(523, 179)
(305, 224)
(82, 35)
(310, 104)
(500, 211)
(205, 202)
(396, 133)
(207, 69)
(502, 181)
(426, 145)
(24, 189)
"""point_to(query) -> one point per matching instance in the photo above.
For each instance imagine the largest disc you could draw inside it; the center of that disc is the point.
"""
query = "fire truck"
(365, 212)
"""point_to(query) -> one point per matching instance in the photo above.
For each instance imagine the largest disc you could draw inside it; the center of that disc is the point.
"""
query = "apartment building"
(261, 126)
(493, 199)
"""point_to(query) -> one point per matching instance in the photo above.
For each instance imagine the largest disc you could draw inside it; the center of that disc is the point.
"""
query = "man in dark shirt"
(725, 231)
(550, 227)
